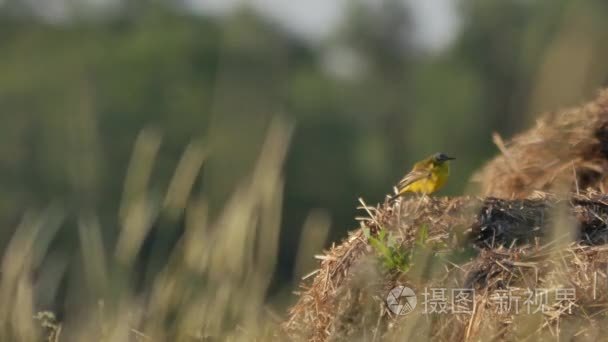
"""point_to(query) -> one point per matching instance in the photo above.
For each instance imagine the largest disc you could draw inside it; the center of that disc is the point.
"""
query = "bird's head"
(440, 158)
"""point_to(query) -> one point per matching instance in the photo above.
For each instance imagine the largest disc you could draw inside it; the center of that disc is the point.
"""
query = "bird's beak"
(450, 158)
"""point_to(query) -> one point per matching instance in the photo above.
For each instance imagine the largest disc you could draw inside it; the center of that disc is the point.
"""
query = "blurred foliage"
(366, 102)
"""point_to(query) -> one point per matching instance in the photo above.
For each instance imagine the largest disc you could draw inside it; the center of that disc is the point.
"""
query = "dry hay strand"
(489, 245)
(564, 144)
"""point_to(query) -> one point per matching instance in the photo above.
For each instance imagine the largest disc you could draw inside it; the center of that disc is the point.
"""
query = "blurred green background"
(371, 87)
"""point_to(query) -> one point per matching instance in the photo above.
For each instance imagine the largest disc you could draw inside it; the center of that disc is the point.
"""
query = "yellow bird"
(426, 177)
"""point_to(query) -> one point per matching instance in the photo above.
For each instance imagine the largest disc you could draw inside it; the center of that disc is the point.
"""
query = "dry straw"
(560, 146)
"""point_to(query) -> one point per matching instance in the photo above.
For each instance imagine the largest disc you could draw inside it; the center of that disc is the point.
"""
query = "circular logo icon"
(401, 300)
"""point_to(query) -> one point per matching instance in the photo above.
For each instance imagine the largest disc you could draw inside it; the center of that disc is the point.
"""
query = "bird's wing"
(413, 176)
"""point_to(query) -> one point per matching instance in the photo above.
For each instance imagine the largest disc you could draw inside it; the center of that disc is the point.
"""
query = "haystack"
(563, 150)
(532, 251)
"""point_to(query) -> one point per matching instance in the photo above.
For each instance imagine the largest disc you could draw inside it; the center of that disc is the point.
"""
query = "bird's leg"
(420, 199)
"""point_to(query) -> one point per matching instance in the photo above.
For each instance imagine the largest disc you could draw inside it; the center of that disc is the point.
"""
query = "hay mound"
(533, 250)
(489, 245)
(546, 157)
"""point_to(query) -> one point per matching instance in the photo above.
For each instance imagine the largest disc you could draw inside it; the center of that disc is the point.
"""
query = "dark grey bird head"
(441, 158)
